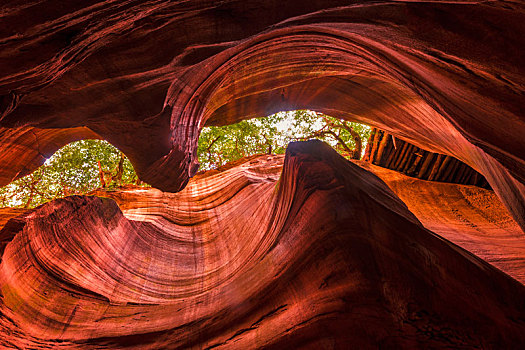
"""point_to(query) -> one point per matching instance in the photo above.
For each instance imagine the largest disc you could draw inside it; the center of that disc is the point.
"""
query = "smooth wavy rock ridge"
(322, 255)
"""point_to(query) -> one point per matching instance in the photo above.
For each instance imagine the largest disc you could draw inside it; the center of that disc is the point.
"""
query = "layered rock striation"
(147, 76)
(323, 254)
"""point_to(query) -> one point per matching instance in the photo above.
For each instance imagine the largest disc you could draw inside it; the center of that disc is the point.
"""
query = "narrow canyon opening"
(78, 168)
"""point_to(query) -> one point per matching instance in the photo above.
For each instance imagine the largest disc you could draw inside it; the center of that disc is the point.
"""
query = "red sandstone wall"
(326, 256)
(446, 76)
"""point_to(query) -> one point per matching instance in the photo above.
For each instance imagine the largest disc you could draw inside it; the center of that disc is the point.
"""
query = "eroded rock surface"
(323, 255)
(447, 76)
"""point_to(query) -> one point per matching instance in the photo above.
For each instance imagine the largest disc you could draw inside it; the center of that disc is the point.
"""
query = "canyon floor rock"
(323, 254)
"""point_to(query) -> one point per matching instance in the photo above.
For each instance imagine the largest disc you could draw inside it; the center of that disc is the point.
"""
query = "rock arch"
(444, 75)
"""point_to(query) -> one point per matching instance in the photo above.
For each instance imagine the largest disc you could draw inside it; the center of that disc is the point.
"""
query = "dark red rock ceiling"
(328, 243)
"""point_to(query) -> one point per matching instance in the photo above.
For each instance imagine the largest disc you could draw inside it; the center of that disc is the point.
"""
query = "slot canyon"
(419, 245)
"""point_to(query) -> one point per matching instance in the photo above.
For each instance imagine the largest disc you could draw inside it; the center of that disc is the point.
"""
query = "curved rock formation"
(325, 255)
(468, 216)
(322, 255)
(147, 76)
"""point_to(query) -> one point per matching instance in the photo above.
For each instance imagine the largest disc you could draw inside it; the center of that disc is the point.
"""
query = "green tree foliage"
(74, 169)
(84, 166)
(220, 145)
(348, 138)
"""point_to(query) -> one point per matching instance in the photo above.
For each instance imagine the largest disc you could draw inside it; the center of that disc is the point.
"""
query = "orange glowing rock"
(327, 254)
